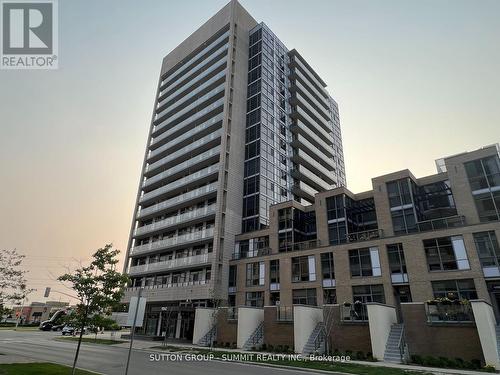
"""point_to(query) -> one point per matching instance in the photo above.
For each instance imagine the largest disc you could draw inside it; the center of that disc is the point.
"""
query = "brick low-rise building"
(416, 250)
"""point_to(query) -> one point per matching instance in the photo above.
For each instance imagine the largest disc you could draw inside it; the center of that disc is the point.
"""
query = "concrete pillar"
(486, 329)
(249, 319)
(204, 320)
(380, 320)
(178, 326)
(305, 319)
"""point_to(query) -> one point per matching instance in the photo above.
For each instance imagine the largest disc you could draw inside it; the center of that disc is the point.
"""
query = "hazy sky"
(415, 81)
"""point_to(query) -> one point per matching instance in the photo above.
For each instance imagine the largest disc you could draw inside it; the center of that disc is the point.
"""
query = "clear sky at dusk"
(415, 81)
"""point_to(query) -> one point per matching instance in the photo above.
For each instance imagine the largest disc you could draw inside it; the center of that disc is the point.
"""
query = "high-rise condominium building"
(240, 123)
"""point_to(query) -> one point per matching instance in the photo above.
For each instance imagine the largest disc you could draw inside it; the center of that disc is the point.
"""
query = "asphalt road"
(110, 360)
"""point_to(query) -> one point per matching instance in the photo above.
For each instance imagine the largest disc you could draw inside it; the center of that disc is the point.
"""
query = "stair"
(316, 341)
(392, 350)
(209, 337)
(256, 339)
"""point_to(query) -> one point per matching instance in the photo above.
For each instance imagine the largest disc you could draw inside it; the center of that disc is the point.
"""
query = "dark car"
(58, 327)
(46, 325)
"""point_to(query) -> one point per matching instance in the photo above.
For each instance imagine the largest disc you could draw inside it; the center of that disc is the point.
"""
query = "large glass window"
(402, 208)
(329, 296)
(364, 262)
(255, 299)
(303, 269)
(368, 293)
(484, 180)
(487, 248)
(327, 266)
(254, 274)
(274, 271)
(304, 297)
(455, 289)
(232, 276)
(397, 263)
(446, 253)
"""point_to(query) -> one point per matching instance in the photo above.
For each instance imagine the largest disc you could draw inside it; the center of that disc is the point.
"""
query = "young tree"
(13, 286)
(98, 287)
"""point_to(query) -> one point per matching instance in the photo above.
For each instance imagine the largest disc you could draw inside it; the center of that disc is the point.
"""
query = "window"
(446, 253)
(304, 297)
(274, 271)
(335, 207)
(368, 293)
(364, 262)
(455, 289)
(327, 266)
(484, 180)
(303, 269)
(487, 248)
(329, 296)
(232, 276)
(399, 193)
(255, 299)
(397, 263)
(255, 274)
(337, 233)
(403, 221)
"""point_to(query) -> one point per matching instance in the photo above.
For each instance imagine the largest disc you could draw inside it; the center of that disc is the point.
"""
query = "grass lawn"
(90, 340)
(19, 328)
(37, 369)
(346, 367)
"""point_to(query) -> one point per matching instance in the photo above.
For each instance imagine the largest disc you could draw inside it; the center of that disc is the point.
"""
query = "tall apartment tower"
(239, 123)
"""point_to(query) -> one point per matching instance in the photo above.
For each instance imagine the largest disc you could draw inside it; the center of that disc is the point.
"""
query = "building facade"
(231, 134)
(407, 240)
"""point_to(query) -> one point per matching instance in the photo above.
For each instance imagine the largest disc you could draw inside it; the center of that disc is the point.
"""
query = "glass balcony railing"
(313, 165)
(310, 76)
(441, 223)
(322, 121)
(321, 107)
(354, 312)
(251, 254)
(300, 127)
(199, 114)
(185, 124)
(188, 87)
(305, 173)
(319, 96)
(198, 102)
(365, 235)
(175, 220)
(181, 182)
(183, 137)
(299, 246)
(313, 125)
(449, 312)
(181, 75)
(182, 166)
(184, 239)
(178, 103)
(180, 199)
(284, 313)
(184, 150)
(322, 158)
(195, 260)
(164, 287)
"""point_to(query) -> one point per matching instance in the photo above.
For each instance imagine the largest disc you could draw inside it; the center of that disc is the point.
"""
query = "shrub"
(286, 349)
(263, 347)
(489, 368)
(360, 355)
(270, 348)
(233, 345)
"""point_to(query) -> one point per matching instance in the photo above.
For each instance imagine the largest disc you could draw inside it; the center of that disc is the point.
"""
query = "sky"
(415, 81)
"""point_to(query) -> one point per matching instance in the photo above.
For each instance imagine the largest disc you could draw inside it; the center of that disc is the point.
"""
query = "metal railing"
(171, 285)
(232, 313)
(441, 223)
(364, 235)
(171, 264)
(449, 312)
(355, 312)
(284, 313)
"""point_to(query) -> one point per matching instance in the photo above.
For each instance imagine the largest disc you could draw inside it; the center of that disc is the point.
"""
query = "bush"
(270, 348)
(263, 347)
(360, 356)
(489, 368)
(431, 361)
(233, 345)
(286, 349)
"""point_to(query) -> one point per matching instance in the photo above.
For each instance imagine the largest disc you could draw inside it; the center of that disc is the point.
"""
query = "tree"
(13, 285)
(98, 287)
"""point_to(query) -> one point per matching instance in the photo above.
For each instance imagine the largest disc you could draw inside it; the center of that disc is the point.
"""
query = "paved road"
(110, 360)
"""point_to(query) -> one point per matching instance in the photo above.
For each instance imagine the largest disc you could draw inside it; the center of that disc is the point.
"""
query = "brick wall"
(348, 336)
(227, 330)
(275, 332)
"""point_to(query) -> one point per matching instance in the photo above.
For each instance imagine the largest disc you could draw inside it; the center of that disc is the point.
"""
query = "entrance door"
(402, 294)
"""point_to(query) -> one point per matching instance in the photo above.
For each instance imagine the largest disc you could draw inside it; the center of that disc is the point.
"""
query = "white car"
(71, 331)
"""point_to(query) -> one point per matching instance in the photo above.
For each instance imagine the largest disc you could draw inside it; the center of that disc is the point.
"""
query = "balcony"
(171, 85)
(170, 292)
(356, 312)
(320, 107)
(365, 235)
(441, 223)
(189, 123)
(187, 217)
(181, 182)
(302, 173)
(193, 86)
(202, 101)
(300, 246)
(301, 142)
(297, 74)
(295, 62)
(174, 242)
(284, 313)
(304, 191)
(200, 160)
(300, 128)
(318, 118)
(447, 311)
(312, 125)
(196, 260)
(182, 199)
(302, 158)
(185, 152)
(251, 254)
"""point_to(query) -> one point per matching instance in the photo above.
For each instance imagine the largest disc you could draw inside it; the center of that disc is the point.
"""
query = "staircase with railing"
(256, 338)
(209, 337)
(396, 350)
(316, 341)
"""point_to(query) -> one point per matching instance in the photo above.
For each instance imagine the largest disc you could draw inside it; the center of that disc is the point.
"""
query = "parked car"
(58, 327)
(55, 320)
(71, 331)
